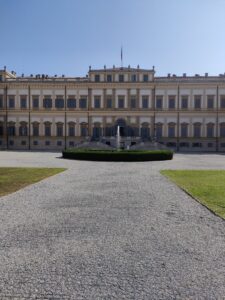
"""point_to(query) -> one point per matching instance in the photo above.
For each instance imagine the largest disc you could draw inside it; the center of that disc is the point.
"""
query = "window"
(23, 143)
(197, 130)
(210, 102)
(35, 129)
(71, 129)
(35, 143)
(171, 102)
(145, 77)
(1, 129)
(35, 102)
(133, 102)
(97, 78)
(222, 129)
(83, 130)
(23, 129)
(97, 131)
(184, 145)
(197, 102)
(47, 143)
(145, 133)
(47, 103)
(108, 131)
(109, 103)
(71, 103)
(11, 101)
(121, 78)
(59, 143)
(11, 143)
(144, 101)
(109, 78)
(120, 102)
(184, 102)
(210, 145)
(159, 130)
(171, 130)
(222, 101)
(97, 102)
(222, 145)
(23, 102)
(210, 130)
(11, 129)
(59, 103)
(47, 129)
(159, 102)
(1, 101)
(184, 130)
(83, 103)
(196, 145)
(71, 143)
(133, 77)
(59, 129)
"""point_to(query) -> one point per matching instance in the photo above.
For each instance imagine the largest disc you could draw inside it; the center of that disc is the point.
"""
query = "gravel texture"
(103, 230)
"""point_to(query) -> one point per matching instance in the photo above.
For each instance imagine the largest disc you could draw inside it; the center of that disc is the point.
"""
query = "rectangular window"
(109, 103)
(184, 130)
(133, 77)
(197, 131)
(210, 102)
(59, 131)
(120, 102)
(97, 78)
(171, 103)
(1, 101)
(159, 102)
(12, 130)
(35, 102)
(59, 103)
(47, 143)
(35, 143)
(47, 103)
(59, 143)
(71, 143)
(222, 101)
(145, 77)
(133, 103)
(184, 102)
(83, 103)
(47, 130)
(11, 102)
(171, 131)
(144, 101)
(35, 131)
(23, 102)
(71, 131)
(159, 131)
(1, 130)
(96, 102)
(184, 145)
(121, 78)
(210, 131)
(71, 103)
(197, 102)
(109, 78)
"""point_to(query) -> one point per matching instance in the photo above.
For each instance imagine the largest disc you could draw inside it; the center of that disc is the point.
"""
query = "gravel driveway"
(104, 230)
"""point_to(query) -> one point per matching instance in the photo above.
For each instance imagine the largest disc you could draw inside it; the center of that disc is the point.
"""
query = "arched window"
(222, 129)
(71, 129)
(171, 130)
(84, 129)
(159, 130)
(184, 130)
(197, 130)
(47, 129)
(23, 129)
(108, 131)
(59, 129)
(145, 132)
(11, 129)
(210, 130)
(35, 129)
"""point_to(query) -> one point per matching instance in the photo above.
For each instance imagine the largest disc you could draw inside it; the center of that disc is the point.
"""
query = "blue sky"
(66, 36)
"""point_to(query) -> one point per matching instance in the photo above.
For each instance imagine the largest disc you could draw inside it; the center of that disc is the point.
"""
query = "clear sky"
(66, 36)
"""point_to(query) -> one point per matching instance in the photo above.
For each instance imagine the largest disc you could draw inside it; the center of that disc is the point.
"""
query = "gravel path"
(109, 231)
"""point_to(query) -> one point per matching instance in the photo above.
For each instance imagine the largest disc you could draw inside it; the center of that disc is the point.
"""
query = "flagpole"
(121, 54)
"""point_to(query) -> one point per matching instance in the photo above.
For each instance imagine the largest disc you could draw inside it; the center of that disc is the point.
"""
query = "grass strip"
(206, 186)
(13, 179)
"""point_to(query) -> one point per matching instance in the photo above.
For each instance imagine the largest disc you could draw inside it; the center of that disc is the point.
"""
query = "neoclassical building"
(185, 113)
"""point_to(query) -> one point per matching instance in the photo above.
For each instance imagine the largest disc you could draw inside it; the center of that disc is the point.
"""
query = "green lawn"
(208, 187)
(13, 179)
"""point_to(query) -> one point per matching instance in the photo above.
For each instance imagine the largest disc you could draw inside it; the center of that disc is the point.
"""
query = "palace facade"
(185, 113)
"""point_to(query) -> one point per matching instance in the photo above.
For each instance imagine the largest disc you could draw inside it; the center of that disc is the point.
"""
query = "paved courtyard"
(104, 230)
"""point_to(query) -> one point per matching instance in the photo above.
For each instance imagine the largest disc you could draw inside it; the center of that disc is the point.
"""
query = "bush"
(112, 155)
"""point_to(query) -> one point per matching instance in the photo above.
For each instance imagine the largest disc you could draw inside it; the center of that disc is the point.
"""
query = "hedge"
(112, 155)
